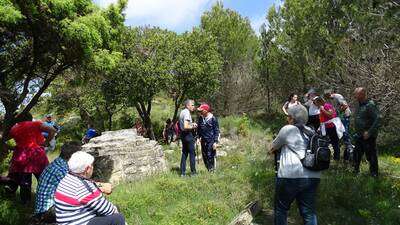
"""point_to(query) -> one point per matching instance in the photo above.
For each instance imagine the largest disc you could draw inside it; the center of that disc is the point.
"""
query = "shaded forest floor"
(244, 175)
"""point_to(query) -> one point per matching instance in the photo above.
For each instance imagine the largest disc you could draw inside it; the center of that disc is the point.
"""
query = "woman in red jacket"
(29, 156)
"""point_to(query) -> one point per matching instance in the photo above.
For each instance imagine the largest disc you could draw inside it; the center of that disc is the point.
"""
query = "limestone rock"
(123, 155)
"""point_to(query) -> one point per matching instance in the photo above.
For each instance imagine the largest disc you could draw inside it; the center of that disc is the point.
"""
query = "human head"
(292, 97)
(311, 93)
(360, 94)
(297, 114)
(81, 163)
(48, 117)
(319, 101)
(328, 94)
(24, 117)
(204, 109)
(168, 121)
(69, 148)
(189, 104)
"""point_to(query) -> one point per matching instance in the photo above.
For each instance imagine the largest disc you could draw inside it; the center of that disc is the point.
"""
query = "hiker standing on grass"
(328, 127)
(208, 132)
(29, 156)
(79, 200)
(294, 181)
(366, 124)
(292, 101)
(48, 182)
(343, 109)
(313, 110)
(187, 128)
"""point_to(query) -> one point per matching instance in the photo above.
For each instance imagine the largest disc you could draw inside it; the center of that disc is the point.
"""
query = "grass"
(246, 174)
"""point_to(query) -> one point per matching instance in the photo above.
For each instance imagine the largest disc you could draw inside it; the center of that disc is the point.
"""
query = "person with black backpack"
(294, 180)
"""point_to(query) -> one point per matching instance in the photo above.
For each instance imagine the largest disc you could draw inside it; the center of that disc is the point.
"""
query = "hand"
(106, 188)
(366, 135)
(321, 108)
(215, 145)
(198, 141)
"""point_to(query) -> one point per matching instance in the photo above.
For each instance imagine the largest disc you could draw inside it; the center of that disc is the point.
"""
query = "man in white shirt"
(187, 128)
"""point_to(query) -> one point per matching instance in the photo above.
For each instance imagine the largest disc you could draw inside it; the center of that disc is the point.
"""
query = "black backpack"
(318, 154)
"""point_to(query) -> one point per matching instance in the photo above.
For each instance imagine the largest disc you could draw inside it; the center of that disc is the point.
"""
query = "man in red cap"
(208, 132)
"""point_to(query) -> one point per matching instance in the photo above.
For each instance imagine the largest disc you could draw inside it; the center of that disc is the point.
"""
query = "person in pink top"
(327, 113)
(29, 156)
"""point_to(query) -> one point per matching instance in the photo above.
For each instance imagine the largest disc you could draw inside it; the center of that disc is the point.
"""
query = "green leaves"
(9, 14)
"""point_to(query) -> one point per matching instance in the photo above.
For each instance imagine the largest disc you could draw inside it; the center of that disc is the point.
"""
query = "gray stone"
(123, 155)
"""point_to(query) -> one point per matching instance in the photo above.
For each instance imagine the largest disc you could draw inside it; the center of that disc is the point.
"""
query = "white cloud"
(172, 14)
(257, 22)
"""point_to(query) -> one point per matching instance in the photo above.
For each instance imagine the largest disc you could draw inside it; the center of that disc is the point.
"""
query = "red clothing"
(29, 156)
(323, 117)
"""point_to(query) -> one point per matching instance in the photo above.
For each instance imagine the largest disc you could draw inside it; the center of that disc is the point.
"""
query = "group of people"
(328, 115)
(204, 133)
(65, 193)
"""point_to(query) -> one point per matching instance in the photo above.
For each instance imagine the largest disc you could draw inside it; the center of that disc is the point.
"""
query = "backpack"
(177, 129)
(318, 154)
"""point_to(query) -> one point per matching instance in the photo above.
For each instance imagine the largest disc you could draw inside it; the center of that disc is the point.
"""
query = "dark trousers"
(303, 190)
(208, 154)
(346, 139)
(369, 148)
(188, 149)
(115, 219)
(334, 140)
(313, 122)
(24, 181)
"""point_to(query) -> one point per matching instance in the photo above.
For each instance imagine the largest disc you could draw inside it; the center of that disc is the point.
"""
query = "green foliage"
(244, 125)
(41, 40)
(237, 45)
(196, 67)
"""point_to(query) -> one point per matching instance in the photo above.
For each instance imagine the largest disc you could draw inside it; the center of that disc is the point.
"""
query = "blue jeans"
(208, 154)
(188, 148)
(303, 190)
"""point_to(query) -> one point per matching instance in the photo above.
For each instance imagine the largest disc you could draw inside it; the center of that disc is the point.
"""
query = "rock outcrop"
(125, 156)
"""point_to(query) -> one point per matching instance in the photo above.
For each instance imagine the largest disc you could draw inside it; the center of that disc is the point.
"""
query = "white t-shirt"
(313, 110)
(288, 104)
(293, 147)
(184, 116)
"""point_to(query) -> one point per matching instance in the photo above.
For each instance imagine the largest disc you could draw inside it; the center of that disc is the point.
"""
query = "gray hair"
(187, 102)
(299, 114)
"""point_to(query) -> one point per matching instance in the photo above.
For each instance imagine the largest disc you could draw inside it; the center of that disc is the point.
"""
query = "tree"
(41, 39)
(238, 45)
(196, 67)
(145, 69)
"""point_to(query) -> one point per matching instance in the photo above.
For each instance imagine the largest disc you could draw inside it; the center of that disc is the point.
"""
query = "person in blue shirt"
(50, 123)
(49, 180)
(90, 133)
(208, 133)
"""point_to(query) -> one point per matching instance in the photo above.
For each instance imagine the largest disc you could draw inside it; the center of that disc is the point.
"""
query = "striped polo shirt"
(78, 200)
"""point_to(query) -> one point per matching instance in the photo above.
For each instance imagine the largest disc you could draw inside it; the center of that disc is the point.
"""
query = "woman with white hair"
(79, 200)
(294, 182)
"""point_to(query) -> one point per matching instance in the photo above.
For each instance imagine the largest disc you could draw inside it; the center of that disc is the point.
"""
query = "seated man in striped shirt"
(79, 201)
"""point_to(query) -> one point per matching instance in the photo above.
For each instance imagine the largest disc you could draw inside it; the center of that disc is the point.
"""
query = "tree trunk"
(177, 102)
(144, 113)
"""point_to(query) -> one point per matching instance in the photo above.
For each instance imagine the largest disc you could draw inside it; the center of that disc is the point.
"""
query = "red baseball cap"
(205, 107)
